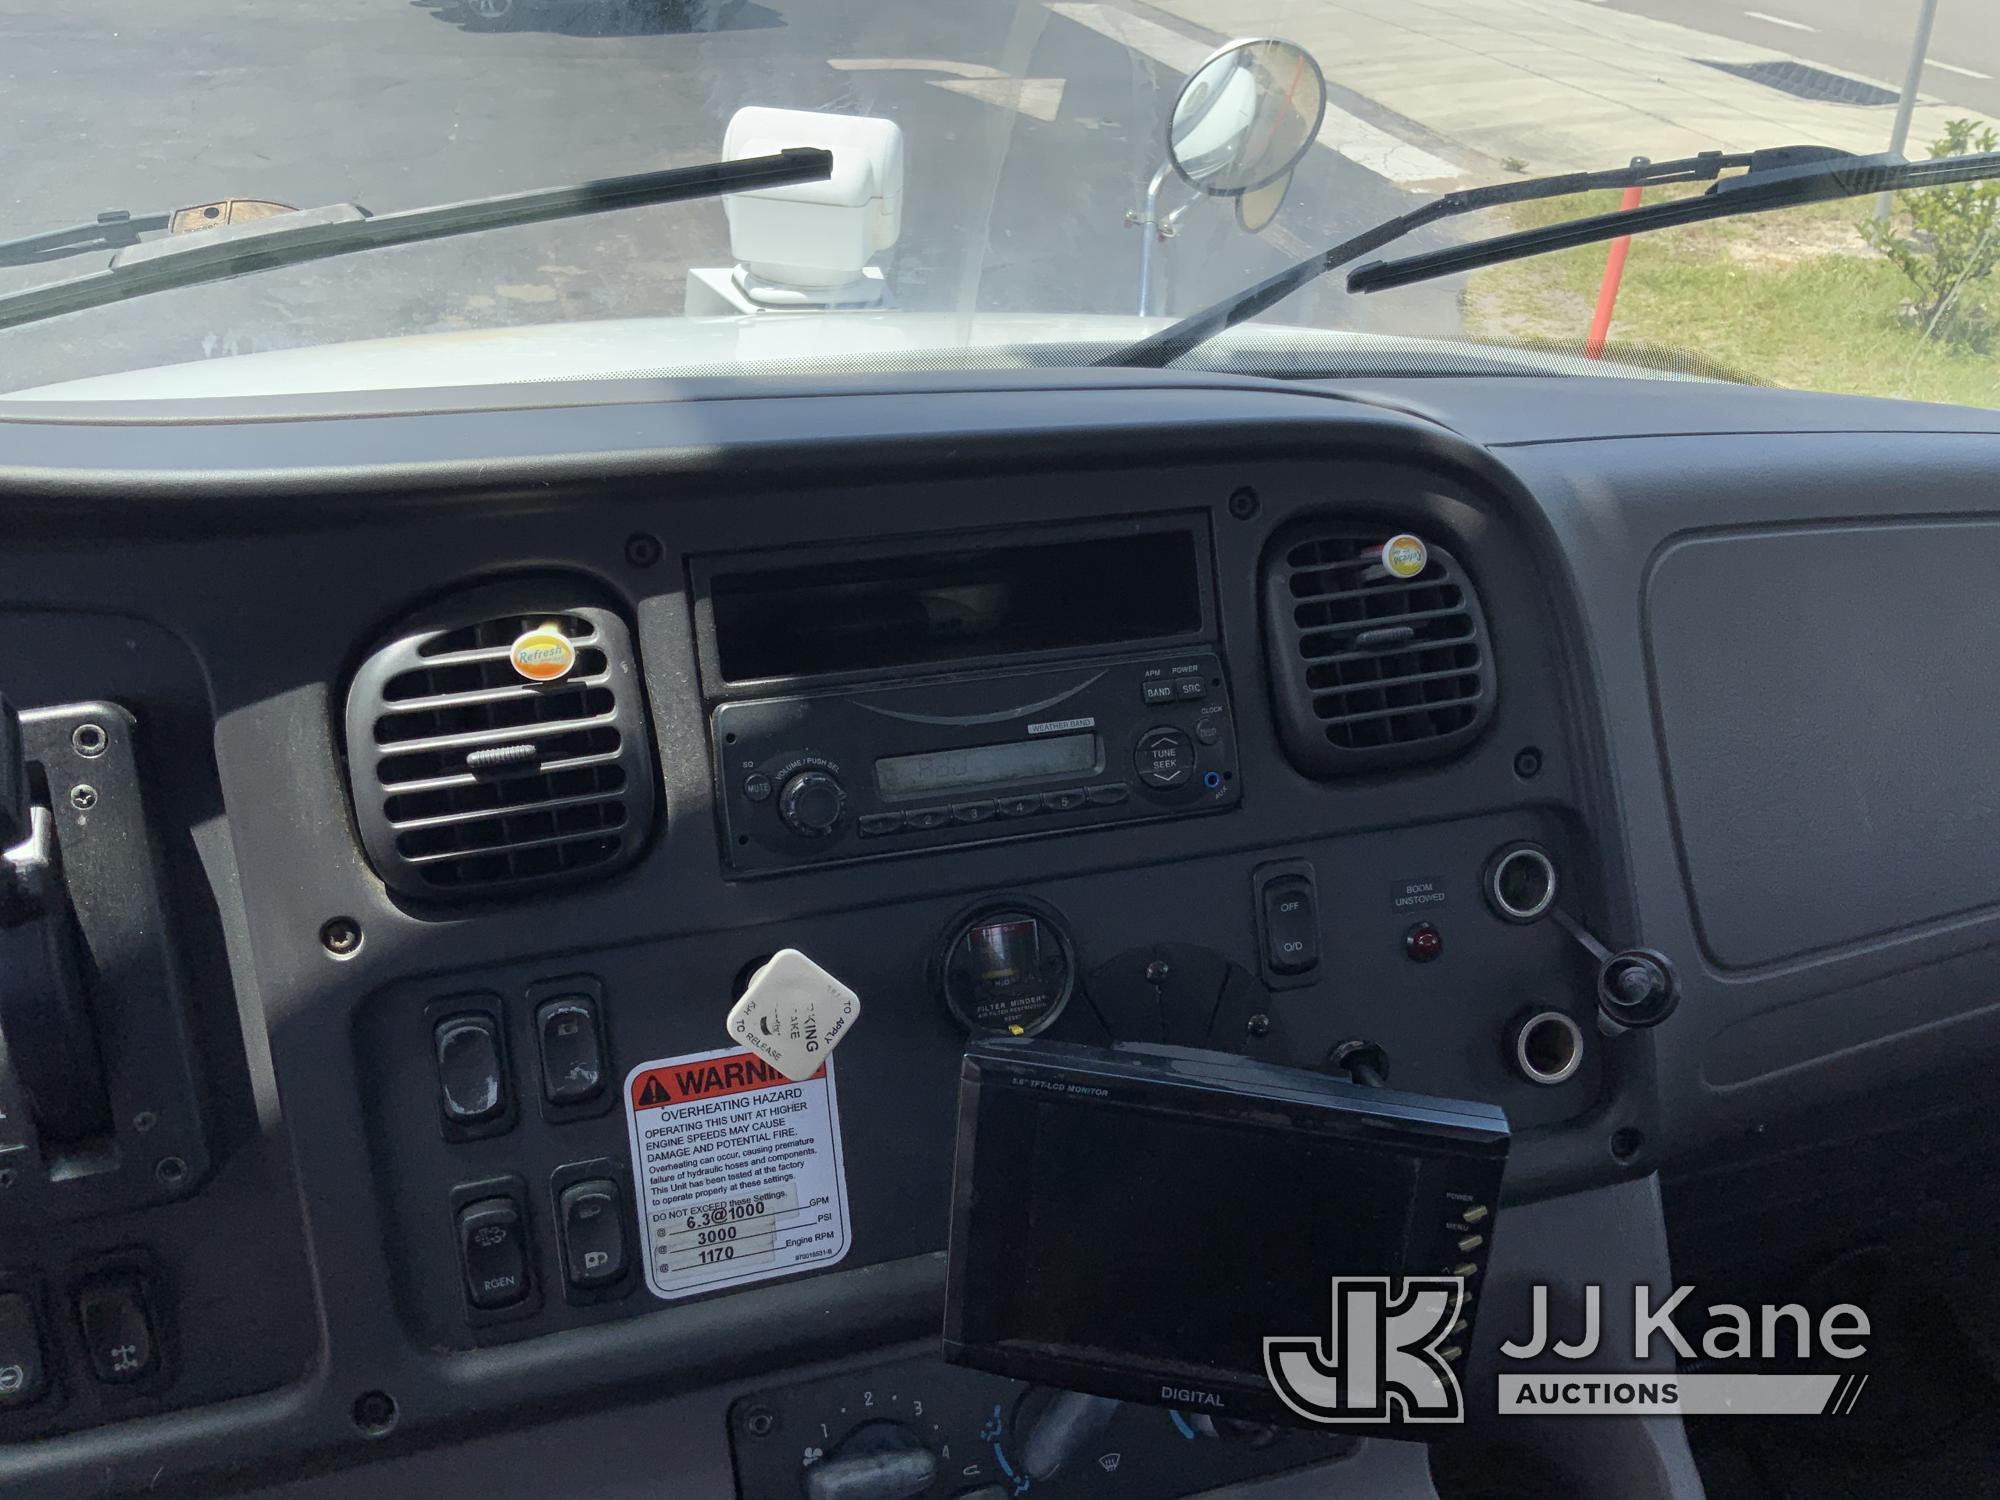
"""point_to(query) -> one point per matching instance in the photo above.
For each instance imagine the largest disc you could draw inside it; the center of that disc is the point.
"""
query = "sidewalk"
(1558, 85)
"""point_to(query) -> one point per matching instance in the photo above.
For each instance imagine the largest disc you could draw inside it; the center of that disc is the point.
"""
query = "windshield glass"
(1003, 192)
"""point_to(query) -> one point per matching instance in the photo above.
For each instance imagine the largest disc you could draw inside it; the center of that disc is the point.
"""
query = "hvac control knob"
(1060, 1427)
(877, 1461)
(812, 802)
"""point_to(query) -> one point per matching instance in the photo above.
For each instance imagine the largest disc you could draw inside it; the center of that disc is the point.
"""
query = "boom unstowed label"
(738, 1169)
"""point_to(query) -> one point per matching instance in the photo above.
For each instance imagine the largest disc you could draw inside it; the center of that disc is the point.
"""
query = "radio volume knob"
(812, 802)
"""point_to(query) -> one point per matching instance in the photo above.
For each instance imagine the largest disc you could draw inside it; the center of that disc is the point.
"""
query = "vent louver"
(1371, 670)
(470, 780)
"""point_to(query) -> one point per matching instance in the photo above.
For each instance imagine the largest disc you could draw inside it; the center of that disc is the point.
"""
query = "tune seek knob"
(812, 802)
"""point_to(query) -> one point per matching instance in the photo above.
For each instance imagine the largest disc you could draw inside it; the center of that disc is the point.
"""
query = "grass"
(1790, 299)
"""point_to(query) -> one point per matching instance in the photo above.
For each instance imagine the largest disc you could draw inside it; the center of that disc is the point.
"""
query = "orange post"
(1614, 269)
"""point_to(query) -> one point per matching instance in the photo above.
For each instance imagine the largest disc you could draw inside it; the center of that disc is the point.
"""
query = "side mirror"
(1244, 119)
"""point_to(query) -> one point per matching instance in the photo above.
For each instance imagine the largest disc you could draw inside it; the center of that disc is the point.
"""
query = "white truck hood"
(671, 347)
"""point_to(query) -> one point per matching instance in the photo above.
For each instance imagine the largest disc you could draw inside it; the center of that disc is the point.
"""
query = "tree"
(1954, 237)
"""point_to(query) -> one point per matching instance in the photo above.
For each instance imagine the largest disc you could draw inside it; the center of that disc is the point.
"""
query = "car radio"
(878, 771)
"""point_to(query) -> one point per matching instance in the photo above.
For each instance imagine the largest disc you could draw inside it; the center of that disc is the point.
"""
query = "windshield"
(1027, 182)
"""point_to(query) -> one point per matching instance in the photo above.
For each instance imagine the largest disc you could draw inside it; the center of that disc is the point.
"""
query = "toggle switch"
(493, 1248)
(23, 1375)
(472, 1081)
(572, 1049)
(590, 1217)
(117, 1320)
(1291, 925)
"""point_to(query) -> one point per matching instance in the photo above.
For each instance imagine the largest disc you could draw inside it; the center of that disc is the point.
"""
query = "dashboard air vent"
(479, 770)
(1371, 670)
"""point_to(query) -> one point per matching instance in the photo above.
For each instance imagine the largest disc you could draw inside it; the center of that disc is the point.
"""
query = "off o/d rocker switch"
(1291, 925)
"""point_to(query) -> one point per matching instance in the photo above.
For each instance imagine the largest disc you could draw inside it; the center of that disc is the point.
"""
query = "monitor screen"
(1181, 1243)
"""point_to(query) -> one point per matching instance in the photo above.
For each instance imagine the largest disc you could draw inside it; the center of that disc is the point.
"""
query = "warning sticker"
(738, 1168)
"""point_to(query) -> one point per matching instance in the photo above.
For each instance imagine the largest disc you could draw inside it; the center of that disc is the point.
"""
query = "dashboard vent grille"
(1372, 670)
(470, 780)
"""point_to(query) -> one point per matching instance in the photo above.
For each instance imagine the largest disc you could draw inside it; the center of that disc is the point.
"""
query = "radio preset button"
(1107, 796)
(873, 825)
(1019, 807)
(812, 803)
(928, 817)
(1164, 758)
(1156, 692)
(1067, 800)
(972, 812)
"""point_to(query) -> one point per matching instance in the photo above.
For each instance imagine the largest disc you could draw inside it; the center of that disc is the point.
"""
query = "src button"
(1164, 758)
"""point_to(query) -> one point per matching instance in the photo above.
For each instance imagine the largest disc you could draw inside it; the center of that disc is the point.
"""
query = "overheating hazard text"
(739, 1171)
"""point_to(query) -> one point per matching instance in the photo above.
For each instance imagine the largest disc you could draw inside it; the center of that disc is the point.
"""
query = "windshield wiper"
(108, 231)
(1778, 177)
(319, 234)
(1753, 193)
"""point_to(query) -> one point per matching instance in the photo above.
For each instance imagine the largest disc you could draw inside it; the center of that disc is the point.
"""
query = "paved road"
(1016, 193)
(1868, 37)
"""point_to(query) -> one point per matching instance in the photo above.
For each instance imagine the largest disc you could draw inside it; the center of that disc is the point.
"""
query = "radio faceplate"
(871, 773)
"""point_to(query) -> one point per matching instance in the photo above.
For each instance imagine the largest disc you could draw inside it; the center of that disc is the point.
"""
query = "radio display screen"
(986, 765)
